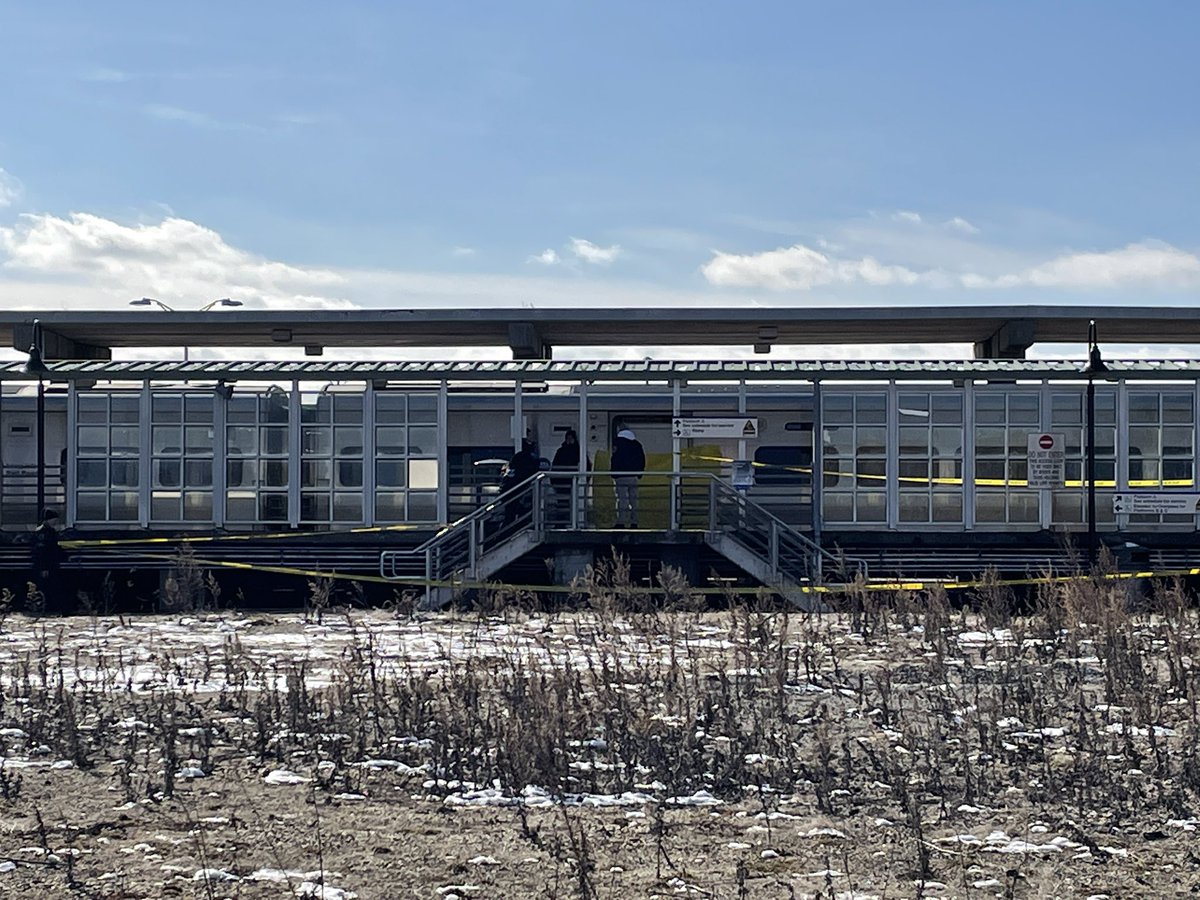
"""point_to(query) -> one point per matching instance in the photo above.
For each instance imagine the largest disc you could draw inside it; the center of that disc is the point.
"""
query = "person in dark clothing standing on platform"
(44, 558)
(566, 459)
(628, 464)
(525, 463)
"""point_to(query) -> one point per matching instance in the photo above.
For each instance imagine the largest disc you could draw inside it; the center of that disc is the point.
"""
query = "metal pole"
(41, 448)
(1090, 475)
(1095, 365)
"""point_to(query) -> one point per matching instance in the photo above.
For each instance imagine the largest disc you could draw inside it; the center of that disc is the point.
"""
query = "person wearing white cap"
(628, 464)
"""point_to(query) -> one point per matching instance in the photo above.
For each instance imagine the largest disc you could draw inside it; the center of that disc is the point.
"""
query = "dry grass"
(881, 748)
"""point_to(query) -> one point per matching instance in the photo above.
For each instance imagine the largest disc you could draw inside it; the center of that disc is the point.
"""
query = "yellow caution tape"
(222, 538)
(984, 482)
(838, 588)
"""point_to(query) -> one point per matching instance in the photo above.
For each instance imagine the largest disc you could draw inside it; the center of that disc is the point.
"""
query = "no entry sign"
(1047, 463)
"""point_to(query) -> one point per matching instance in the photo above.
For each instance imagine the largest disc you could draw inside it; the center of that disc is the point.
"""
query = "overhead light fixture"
(224, 301)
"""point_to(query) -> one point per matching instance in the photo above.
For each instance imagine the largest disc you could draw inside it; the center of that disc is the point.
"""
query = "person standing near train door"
(45, 556)
(628, 464)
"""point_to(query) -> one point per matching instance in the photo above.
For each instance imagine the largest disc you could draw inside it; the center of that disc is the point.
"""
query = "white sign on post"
(714, 427)
(1149, 503)
(1047, 461)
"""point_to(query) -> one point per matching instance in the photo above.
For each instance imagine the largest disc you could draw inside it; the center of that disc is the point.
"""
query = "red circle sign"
(1045, 442)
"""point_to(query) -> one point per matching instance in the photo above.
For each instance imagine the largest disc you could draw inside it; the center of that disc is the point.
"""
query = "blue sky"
(618, 154)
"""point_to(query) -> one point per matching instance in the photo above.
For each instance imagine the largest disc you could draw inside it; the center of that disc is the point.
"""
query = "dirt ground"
(87, 808)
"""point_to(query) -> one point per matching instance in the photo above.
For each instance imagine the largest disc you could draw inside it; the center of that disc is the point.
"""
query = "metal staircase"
(475, 548)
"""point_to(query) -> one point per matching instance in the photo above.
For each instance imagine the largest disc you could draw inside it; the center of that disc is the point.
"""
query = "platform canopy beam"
(57, 346)
(1009, 341)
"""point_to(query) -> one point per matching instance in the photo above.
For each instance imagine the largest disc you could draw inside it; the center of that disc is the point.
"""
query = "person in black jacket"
(628, 464)
(566, 459)
(525, 463)
(44, 558)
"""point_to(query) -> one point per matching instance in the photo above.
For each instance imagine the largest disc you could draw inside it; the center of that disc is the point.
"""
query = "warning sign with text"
(1047, 461)
(714, 427)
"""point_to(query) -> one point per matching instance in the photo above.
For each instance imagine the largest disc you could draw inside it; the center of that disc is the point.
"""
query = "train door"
(783, 462)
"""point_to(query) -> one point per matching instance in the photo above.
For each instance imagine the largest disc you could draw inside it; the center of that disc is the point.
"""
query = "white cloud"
(84, 261)
(463, 251)
(547, 257)
(591, 253)
(1135, 265)
(10, 188)
(958, 223)
(174, 260)
(905, 215)
(801, 268)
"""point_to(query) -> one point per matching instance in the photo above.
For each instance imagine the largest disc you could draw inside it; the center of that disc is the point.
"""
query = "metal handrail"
(789, 552)
(459, 546)
(697, 501)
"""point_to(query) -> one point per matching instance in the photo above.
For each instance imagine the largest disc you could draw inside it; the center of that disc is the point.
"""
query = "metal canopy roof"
(617, 370)
(533, 332)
